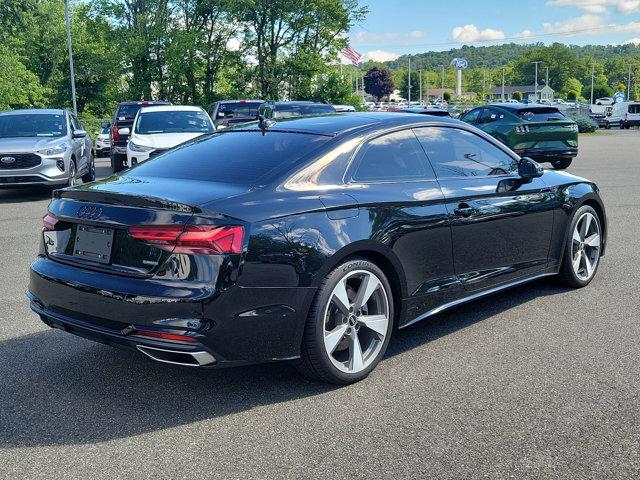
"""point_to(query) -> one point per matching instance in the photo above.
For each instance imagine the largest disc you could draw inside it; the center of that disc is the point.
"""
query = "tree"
(415, 85)
(572, 95)
(283, 32)
(446, 96)
(378, 82)
(599, 90)
(19, 87)
(517, 96)
(572, 84)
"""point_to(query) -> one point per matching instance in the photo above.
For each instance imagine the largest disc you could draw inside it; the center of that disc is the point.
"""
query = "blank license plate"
(93, 243)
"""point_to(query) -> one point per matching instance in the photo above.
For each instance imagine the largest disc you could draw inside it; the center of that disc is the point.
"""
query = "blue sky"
(397, 27)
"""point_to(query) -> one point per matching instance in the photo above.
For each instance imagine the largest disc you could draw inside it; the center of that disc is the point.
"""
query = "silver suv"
(44, 147)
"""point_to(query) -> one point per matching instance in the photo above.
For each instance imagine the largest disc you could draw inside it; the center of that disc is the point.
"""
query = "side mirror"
(124, 131)
(79, 133)
(529, 169)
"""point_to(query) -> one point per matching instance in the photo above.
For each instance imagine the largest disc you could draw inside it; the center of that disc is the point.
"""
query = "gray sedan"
(44, 147)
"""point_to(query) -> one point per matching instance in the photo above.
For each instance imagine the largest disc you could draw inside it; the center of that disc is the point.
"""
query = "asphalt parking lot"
(537, 382)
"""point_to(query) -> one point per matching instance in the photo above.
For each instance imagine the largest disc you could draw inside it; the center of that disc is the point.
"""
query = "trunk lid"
(93, 221)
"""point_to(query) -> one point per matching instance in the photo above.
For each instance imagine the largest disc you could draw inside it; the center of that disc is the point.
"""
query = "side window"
(458, 153)
(394, 156)
(471, 117)
(75, 123)
(489, 115)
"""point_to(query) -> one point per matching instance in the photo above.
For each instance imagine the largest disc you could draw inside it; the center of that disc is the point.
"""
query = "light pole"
(409, 82)
(442, 82)
(629, 85)
(73, 78)
(502, 94)
(420, 77)
(535, 91)
(593, 74)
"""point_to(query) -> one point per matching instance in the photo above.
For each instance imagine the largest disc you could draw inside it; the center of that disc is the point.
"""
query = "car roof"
(145, 102)
(251, 100)
(519, 106)
(45, 111)
(338, 123)
(170, 108)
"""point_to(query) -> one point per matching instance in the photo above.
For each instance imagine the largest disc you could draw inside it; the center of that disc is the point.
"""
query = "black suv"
(123, 119)
(278, 110)
(229, 112)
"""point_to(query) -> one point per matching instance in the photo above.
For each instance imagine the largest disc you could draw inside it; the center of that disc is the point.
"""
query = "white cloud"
(380, 56)
(233, 44)
(635, 41)
(599, 6)
(470, 33)
(580, 24)
(416, 34)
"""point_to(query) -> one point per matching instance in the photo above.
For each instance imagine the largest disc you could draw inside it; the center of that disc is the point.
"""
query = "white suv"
(160, 128)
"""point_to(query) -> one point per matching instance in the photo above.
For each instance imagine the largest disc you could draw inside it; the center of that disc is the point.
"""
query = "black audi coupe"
(309, 239)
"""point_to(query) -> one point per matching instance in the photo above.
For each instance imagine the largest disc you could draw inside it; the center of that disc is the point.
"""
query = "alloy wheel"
(72, 174)
(586, 244)
(356, 320)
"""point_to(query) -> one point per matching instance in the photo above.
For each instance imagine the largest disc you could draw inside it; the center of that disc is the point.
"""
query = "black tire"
(607, 126)
(561, 163)
(314, 360)
(117, 162)
(90, 176)
(72, 173)
(567, 276)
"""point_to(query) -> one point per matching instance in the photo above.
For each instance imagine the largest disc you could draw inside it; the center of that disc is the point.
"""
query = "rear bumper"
(631, 123)
(547, 154)
(237, 326)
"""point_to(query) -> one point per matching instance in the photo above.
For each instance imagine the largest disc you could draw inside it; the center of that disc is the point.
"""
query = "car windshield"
(173, 122)
(540, 114)
(296, 110)
(240, 109)
(33, 125)
(128, 111)
(238, 157)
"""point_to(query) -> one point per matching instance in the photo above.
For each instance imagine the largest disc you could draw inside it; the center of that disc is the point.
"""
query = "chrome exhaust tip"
(176, 357)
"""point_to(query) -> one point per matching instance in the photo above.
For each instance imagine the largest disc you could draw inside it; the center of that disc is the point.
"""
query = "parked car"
(600, 114)
(309, 240)
(44, 147)
(437, 112)
(279, 110)
(624, 115)
(103, 143)
(122, 122)
(160, 128)
(231, 112)
(604, 101)
(537, 131)
(344, 108)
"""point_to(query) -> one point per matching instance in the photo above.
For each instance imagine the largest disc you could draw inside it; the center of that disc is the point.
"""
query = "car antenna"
(264, 124)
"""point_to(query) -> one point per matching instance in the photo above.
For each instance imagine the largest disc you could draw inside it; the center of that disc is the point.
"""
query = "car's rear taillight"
(49, 222)
(115, 134)
(192, 239)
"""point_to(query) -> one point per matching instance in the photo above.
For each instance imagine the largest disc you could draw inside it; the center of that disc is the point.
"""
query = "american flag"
(352, 55)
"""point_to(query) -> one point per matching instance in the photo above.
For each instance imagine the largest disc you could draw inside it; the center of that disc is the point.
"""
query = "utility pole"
(629, 85)
(484, 85)
(72, 76)
(427, 87)
(442, 83)
(502, 94)
(593, 74)
(420, 76)
(409, 82)
(536, 84)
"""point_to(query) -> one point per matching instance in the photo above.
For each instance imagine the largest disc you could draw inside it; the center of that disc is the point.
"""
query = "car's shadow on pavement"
(57, 389)
(20, 195)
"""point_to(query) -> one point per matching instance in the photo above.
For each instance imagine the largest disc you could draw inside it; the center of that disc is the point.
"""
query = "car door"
(79, 146)
(403, 205)
(501, 227)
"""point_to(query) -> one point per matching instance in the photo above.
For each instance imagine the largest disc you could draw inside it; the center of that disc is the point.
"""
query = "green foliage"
(574, 85)
(599, 90)
(19, 87)
(572, 95)
(585, 124)
(446, 96)
(403, 85)
(517, 96)
(378, 82)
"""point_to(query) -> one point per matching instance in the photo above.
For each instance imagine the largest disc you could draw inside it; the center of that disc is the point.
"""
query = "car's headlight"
(57, 150)
(139, 148)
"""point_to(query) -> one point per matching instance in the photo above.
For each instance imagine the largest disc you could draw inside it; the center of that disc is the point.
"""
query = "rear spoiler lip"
(124, 199)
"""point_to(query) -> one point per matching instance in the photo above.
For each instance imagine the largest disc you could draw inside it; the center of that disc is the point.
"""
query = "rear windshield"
(541, 114)
(634, 108)
(173, 122)
(33, 125)
(240, 109)
(296, 110)
(238, 157)
(128, 111)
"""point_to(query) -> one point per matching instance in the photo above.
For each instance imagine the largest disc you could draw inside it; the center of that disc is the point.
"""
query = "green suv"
(540, 132)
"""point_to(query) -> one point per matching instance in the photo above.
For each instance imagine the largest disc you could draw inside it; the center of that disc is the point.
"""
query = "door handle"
(463, 210)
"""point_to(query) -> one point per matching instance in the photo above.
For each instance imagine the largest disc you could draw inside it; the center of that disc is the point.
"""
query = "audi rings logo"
(90, 212)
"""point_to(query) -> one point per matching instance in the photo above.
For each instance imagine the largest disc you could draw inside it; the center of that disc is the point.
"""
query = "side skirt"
(475, 296)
